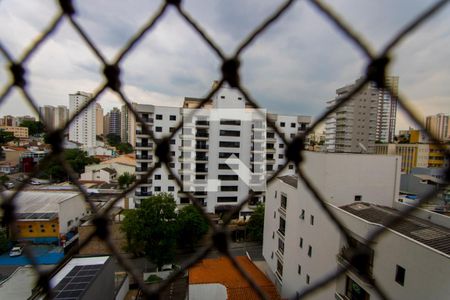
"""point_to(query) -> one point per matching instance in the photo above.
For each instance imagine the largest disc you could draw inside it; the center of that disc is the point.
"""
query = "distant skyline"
(293, 68)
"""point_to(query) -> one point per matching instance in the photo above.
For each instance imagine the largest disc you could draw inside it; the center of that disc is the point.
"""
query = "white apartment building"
(368, 117)
(224, 129)
(83, 128)
(301, 245)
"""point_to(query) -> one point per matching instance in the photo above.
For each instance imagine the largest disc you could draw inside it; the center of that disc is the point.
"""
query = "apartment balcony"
(202, 124)
(201, 158)
(185, 148)
(339, 296)
(361, 265)
(143, 194)
(144, 157)
(186, 136)
(201, 147)
(140, 133)
(201, 135)
(144, 145)
(282, 210)
(142, 170)
(270, 150)
(281, 232)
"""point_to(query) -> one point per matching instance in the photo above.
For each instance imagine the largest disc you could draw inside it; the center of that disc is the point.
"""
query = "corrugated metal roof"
(38, 201)
(425, 232)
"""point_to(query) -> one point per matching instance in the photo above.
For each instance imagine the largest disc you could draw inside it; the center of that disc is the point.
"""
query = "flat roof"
(422, 231)
(39, 201)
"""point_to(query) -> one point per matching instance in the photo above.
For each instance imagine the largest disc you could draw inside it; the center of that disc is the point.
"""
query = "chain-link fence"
(377, 64)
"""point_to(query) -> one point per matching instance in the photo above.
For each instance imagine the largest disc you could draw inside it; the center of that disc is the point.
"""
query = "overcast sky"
(293, 68)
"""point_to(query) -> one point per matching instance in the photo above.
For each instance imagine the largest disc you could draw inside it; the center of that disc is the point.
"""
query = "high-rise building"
(9, 121)
(202, 149)
(83, 127)
(106, 124)
(61, 116)
(99, 119)
(114, 122)
(128, 125)
(439, 125)
(54, 117)
(368, 117)
(47, 115)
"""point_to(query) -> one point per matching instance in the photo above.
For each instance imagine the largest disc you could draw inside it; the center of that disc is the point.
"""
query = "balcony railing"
(143, 157)
(143, 194)
(141, 169)
(146, 145)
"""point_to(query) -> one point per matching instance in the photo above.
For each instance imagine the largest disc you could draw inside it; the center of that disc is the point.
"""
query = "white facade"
(83, 128)
(104, 174)
(128, 125)
(200, 150)
(308, 246)
(439, 125)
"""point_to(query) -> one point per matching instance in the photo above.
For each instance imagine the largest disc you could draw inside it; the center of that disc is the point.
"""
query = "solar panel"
(76, 282)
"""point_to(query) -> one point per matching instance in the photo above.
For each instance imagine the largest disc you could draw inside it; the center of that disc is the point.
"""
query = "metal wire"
(376, 72)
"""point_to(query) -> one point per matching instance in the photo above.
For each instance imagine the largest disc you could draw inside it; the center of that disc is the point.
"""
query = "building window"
(273, 235)
(312, 220)
(307, 279)
(281, 146)
(170, 177)
(228, 177)
(171, 188)
(281, 246)
(400, 275)
(229, 144)
(282, 226)
(301, 243)
(157, 189)
(229, 133)
(358, 197)
(171, 129)
(158, 129)
(228, 188)
(274, 214)
(271, 255)
(159, 117)
(291, 167)
(293, 125)
(280, 156)
(282, 124)
(227, 199)
(172, 141)
(309, 251)
(283, 201)
(299, 270)
(157, 177)
(279, 268)
(173, 118)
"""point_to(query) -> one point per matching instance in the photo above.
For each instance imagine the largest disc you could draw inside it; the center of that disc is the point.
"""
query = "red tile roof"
(220, 270)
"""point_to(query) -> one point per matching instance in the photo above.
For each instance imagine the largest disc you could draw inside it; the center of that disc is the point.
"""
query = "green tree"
(77, 159)
(113, 139)
(255, 226)
(6, 137)
(152, 227)
(191, 227)
(125, 180)
(4, 179)
(124, 148)
(34, 127)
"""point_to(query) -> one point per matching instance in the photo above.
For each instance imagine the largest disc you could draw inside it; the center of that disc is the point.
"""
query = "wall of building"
(70, 213)
(18, 132)
(38, 229)
(102, 286)
(339, 178)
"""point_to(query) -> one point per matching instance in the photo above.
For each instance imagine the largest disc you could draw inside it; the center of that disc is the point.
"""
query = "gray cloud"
(292, 68)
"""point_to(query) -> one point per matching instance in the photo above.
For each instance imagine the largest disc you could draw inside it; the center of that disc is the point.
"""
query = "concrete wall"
(103, 285)
(339, 177)
(71, 210)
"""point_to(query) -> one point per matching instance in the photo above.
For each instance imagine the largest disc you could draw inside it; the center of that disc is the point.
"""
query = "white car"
(16, 251)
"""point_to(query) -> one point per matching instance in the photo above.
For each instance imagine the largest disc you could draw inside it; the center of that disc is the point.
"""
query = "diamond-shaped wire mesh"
(376, 72)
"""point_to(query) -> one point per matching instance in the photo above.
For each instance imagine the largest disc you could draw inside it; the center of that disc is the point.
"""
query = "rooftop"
(220, 270)
(36, 201)
(126, 159)
(289, 179)
(422, 231)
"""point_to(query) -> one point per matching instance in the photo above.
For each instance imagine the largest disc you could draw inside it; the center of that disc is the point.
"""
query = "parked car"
(9, 185)
(16, 251)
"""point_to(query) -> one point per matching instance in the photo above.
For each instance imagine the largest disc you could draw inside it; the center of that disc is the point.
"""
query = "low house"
(122, 164)
(104, 174)
(45, 216)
